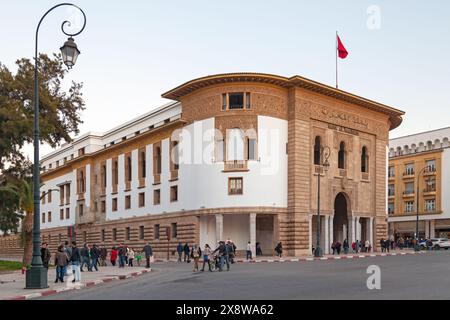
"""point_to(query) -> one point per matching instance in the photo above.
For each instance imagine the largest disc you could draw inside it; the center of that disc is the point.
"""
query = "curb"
(303, 259)
(77, 287)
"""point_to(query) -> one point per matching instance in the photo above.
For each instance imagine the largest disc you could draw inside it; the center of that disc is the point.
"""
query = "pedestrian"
(130, 255)
(138, 258)
(76, 261)
(60, 263)
(94, 254)
(68, 251)
(206, 259)
(85, 260)
(367, 246)
(126, 254)
(338, 247)
(230, 247)
(333, 247)
(258, 249)
(279, 249)
(354, 247)
(114, 254)
(249, 251)
(122, 252)
(383, 245)
(103, 255)
(196, 253)
(180, 251)
(387, 245)
(148, 251)
(45, 255)
(187, 252)
(429, 244)
(223, 255)
(346, 246)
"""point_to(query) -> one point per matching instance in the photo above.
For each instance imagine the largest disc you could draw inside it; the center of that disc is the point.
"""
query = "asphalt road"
(418, 277)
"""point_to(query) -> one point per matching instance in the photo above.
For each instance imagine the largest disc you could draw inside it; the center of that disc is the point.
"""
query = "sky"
(133, 51)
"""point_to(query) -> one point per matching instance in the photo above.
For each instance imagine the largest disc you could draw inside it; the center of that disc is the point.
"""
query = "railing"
(408, 193)
(235, 165)
(408, 173)
(431, 189)
(157, 178)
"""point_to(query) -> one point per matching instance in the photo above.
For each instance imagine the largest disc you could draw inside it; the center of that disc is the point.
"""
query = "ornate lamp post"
(324, 155)
(416, 246)
(36, 277)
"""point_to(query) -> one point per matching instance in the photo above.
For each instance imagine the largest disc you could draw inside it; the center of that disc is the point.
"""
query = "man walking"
(95, 253)
(223, 255)
(187, 253)
(103, 255)
(148, 254)
(85, 258)
(249, 251)
(76, 260)
(122, 253)
(180, 251)
(45, 255)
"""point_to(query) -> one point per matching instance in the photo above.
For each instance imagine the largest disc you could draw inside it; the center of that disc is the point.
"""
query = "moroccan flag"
(342, 52)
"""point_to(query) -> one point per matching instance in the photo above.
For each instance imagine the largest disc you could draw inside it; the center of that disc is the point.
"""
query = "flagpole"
(336, 52)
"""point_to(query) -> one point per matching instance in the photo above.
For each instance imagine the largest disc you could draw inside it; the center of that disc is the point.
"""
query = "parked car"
(438, 243)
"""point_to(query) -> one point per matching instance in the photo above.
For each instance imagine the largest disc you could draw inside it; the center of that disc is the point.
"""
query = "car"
(438, 243)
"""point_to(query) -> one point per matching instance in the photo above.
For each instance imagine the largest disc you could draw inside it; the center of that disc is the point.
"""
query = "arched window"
(364, 160)
(129, 168)
(317, 146)
(235, 145)
(81, 181)
(341, 156)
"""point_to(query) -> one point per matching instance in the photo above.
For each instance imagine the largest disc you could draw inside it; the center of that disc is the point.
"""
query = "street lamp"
(36, 277)
(416, 246)
(323, 162)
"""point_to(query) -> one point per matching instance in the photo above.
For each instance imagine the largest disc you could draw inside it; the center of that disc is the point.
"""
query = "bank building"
(232, 156)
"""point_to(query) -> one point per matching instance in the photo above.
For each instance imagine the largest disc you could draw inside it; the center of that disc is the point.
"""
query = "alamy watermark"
(374, 280)
(374, 17)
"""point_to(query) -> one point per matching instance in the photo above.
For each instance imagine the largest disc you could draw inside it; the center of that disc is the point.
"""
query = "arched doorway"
(340, 221)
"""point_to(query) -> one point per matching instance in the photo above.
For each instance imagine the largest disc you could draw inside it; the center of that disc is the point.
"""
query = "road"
(419, 277)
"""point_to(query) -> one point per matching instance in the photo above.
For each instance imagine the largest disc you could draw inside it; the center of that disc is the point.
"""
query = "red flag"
(342, 52)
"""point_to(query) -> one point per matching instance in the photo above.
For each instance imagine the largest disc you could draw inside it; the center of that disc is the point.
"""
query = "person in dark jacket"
(103, 255)
(148, 251)
(187, 252)
(45, 255)
(95, 254)
(279, 249)
(180, 251)
(85, 260)
(346, 246)
(75, 259)
(61, 264)
(223, 255)
(122, 254)
(383, 245)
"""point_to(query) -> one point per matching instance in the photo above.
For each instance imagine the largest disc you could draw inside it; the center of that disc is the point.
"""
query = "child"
(139, 258)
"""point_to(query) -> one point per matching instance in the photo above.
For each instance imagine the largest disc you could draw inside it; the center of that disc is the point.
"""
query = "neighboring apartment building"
(422, 159)
(234, 156)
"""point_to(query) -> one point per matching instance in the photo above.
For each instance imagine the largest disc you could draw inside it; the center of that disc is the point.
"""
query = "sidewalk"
(12, 284)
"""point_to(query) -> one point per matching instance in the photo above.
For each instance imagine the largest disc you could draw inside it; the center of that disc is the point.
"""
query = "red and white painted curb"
(302, 259)
(77, 286)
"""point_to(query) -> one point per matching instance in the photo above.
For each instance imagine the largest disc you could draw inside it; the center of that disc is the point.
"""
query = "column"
(252, 224)
(331, 220)
(352, 231)
(432, 228)
(310, 233)
(327, 241)
(427, 229)
(371, 233)
(358, 229)
(219, 227)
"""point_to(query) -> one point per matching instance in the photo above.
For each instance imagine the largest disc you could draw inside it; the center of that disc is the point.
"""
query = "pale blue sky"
(134, 51)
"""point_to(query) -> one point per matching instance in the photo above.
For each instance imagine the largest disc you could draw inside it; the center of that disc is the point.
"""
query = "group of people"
(69, 256)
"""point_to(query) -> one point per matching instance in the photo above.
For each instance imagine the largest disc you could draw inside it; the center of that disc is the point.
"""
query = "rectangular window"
(409, 206)
(391, 190)
(431, 165)
(95, 206)
(247, 100)
(81, 152)
(81, 209)
(430, 205)
(103, 206)
(409, 188)
(103, 235)
(43, 197)
(235, 186)
(173, 193)
(141, 233)
(391, 172)
(43, 217)
(114, 204)
(49, 218)
(156, 197)
(251, 149)
(236, 100)
(224, 102)
(430, 185)
(127, 202)
(174, 230)
(156, 233)
(141, 199)
(67, 213)
(142, 164)
(409, 169)
(127, 233)
(114, 234)
(175, 155)
(390, 208)
(67, 194)
(219, 150)
(49, 195)
(61, 214)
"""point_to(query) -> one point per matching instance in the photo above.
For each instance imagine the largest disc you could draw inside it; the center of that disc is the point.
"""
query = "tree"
(59, 110)
(9, 216)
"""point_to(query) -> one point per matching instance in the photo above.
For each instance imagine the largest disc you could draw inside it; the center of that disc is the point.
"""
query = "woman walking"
(61, 264)
(196, 253)
(130, 255)
(206, 259)
(113, 258)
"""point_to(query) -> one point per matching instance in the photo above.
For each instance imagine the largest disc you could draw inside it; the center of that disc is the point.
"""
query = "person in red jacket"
(114, 253)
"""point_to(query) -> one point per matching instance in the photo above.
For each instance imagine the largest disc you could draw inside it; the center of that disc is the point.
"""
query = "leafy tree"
(59, 110)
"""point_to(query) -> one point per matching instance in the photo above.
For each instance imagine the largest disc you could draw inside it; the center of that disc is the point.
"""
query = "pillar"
(219, 227)
(327, 238)
(310, 234)
(432, 228)
(351, 229)
(252, 224)
(427, 229)
(371, 233)
(358, 229)
(331, 220)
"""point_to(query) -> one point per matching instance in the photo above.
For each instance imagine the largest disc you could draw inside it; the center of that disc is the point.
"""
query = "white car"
(438, 243)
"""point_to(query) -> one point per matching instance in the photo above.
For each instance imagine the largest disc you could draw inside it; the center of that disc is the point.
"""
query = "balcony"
(430, 171)
(391, 194)
(173, 175)
(409, 193)
(235, 165)
(364, 176)
(408, 174)
(429, 191)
